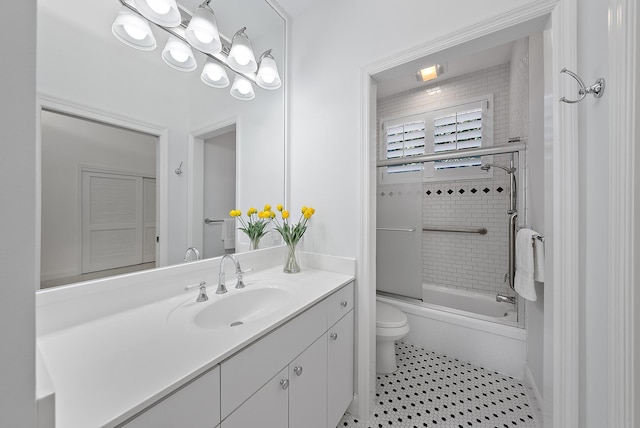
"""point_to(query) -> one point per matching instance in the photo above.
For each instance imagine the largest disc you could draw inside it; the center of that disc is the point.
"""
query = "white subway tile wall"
(462, 260)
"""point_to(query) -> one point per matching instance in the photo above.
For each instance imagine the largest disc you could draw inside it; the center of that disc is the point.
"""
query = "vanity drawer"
(339, 304)
(247, 371)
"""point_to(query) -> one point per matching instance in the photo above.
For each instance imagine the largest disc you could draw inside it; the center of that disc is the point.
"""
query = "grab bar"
(512, 250)
(392, 229)
(480, 230)
(209, 221)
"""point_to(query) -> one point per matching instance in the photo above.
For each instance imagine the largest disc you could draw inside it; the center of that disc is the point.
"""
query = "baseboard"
(534, 392)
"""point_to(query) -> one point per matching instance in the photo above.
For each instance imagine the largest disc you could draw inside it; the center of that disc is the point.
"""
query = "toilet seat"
(389, 317)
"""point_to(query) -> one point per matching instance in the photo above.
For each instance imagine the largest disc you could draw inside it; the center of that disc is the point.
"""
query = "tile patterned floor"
(431, 390)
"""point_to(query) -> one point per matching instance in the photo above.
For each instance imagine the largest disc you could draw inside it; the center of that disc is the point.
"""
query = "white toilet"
(391, 325)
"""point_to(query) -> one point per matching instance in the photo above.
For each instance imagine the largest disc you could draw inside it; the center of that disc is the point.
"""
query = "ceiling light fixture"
(429, 73)
(200, 32)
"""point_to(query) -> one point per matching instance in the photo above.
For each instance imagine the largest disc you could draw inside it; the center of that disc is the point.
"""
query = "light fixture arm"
(225, 49)
(266, 53)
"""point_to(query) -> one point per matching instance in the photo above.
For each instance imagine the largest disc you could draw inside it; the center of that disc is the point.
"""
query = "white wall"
(67, 144)
(325, 97)
(19, 259)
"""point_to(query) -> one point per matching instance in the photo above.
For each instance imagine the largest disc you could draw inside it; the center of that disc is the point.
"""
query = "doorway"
(95, 175)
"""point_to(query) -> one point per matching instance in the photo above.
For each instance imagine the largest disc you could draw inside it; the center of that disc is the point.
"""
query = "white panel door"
(112, 221)
(149, 217)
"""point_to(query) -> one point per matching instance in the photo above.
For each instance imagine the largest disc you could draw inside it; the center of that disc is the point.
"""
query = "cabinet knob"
(297, 370)
(344, 303)
(284, 383)
(334, 336)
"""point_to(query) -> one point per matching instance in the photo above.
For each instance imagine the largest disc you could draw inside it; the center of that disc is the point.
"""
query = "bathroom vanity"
(278, 353)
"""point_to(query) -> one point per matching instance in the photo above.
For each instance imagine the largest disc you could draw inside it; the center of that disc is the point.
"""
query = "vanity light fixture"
(161, 12)
(241, 57)
(133, 31)
(178, 55)
(242, 89)
(214, 75)
(200, 32)
(429, 73)
(268, 76)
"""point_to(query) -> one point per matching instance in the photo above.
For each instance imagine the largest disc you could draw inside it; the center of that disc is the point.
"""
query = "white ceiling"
(402, 78)
(294, 8)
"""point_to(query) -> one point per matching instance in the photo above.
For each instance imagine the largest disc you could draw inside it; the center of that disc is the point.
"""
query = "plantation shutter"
(405, 140)
(457, 131)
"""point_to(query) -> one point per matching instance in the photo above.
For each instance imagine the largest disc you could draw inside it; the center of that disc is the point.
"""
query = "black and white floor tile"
(432, 390)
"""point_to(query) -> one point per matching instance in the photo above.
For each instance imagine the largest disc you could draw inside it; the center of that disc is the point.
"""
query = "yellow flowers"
(285, 214)
(235, 213)
(291, 233)
(279, 207)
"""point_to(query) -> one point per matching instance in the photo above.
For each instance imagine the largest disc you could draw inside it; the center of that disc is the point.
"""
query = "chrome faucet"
(202, 294)
(191, 251)
(221, 275)
(502, 298)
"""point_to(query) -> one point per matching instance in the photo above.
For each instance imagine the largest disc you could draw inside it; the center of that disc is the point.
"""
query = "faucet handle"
(202, 295)
(240, 273)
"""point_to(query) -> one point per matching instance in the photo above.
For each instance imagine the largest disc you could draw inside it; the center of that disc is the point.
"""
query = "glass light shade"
(241, 57)
(202, 31)
(133, 31)
(178, 55)
(242, 89)
(213, 74)
(162, 12)
(268, 76)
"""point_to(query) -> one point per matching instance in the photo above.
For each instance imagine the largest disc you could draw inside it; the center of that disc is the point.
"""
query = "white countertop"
(109, 368)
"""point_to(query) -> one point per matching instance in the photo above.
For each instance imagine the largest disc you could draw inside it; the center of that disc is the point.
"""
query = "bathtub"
(463, 302)
(491, 339)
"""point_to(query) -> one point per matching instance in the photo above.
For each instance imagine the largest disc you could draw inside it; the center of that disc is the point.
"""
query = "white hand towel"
(229, 233)
(523, 281)
(538, 261)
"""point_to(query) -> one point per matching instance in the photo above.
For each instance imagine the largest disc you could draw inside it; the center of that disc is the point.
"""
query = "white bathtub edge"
(511, 332)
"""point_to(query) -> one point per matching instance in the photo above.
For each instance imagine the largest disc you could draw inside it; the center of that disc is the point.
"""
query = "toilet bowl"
(391, 325)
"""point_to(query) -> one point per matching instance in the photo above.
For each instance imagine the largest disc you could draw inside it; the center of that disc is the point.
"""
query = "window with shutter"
(455, 128)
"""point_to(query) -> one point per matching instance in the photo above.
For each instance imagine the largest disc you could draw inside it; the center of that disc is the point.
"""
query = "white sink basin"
(241, 307)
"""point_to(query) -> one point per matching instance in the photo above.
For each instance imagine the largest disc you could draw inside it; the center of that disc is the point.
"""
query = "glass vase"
(254, 243)
(291, 262)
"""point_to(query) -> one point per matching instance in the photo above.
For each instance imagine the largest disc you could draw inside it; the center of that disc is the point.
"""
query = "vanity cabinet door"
(267, 408)
(308, 387)
(196, 405)
(340, 369)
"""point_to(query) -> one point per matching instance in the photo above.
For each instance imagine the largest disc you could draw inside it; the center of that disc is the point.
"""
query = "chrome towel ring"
(597, 89)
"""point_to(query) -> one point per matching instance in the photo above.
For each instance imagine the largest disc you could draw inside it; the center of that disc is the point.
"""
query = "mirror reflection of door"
(219, 197)
(98, 200)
